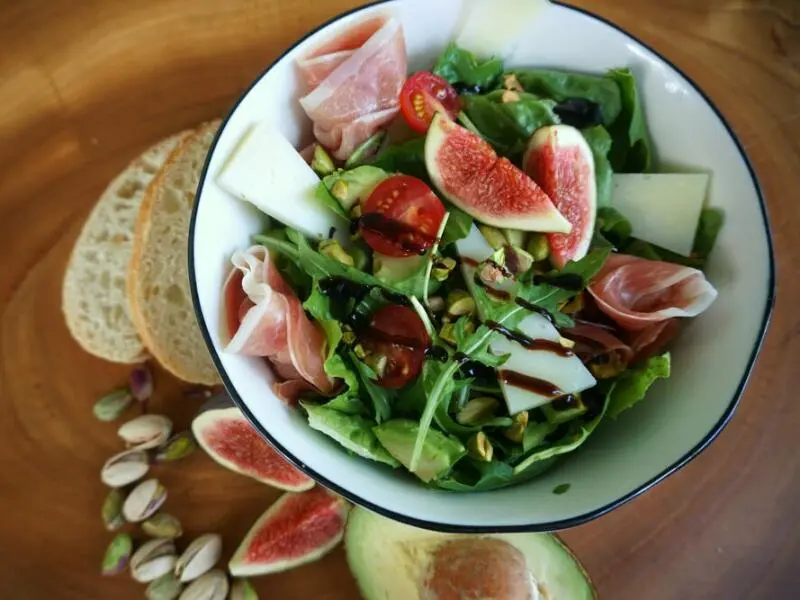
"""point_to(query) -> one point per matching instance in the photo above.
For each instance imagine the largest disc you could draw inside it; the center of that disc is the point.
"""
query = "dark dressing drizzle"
(410, 238)
(565, 402)
(437, 353)
(579, 112)
(529, 343)
(531, 384)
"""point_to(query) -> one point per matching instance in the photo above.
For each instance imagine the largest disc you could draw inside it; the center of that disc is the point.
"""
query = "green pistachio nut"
(442, 268)
(322, 163)
(494, 236)
(332, 249)
(117, 555)
(460, 303)
(538, 247)
(111, 511)
(480, 447)
(477, 410)
(111, 406)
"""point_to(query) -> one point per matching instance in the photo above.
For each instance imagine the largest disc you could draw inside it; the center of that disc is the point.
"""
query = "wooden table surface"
(87, 85)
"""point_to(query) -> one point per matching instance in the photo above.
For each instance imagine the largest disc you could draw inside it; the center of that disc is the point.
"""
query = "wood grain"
(87, 85)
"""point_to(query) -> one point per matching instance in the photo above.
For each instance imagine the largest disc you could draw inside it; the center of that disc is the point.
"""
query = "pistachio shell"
(178, 446)
(117, 554)
(163, 526)
(199, 557)
(112, 510)
(152, 560)
(140, 382)
(144, 500)
(166, 587)
(211, 586)
(146, 431)
(242, 590)
(112, 405)
(125, 468)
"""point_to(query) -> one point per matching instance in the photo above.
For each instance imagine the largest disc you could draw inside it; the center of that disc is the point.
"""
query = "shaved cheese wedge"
(493, 27)
(265, 170)
(566, 373)
(663, 208)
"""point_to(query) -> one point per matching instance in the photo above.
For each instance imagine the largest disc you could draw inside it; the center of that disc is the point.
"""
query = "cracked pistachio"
(117, 554)
(152, 560)
(442, 268)
(572, 306)
(516, 432)
(489, 272)
(448, 334)
(510, 82)
(143, 501)
(211, 586)
(339, 190)
(125, 468)
(164, 526)
(348, 335)
(510, 96)
(199, 557)
(493, 236)
(355, 212)
(243, 590)
(111, 406)
(178, 446)
(477, 410)
(166, 587)
(378, 363)
(140, 382)
(538, 247)
(359, 351)
(436, 304)
(321, 162)
(480, 447)
(332, 249)
(512, 260)
(460, 303)
(146, 431)
(112, 510)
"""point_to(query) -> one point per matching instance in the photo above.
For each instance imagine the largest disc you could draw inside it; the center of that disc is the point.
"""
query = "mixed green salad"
(413, 311)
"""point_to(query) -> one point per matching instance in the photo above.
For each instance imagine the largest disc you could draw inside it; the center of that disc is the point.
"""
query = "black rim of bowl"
(536, 527)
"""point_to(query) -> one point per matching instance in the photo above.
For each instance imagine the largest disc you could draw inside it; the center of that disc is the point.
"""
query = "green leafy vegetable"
(323, 194)
(381, 398)
(614, 226)
(353, 432)
(632, 385)
(509, 126)
(711, 222)
(475, 476)
(561, 85)
(365, 150)
(461, 67)
(408, 158)
(631, 151)
(600, 142)
(458, 226)
(319, 306)
(349, 404)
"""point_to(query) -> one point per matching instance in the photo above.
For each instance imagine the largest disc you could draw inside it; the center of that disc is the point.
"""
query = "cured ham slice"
(355, 82)
(593, 341)
(636, 293)
(654, 338)
(265, 318)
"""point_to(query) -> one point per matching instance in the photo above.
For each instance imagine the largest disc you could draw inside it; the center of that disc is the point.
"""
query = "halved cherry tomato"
(401, 217)
(423, 95)
(397, 333)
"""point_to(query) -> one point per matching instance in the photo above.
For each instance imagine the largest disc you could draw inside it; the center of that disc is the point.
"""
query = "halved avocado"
(389, 560)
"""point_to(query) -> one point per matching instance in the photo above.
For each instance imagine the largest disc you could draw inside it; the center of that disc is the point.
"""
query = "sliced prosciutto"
(637, 293)
(355, 82)
(265, 318)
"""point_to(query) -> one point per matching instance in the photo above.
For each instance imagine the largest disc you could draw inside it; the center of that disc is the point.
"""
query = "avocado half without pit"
(393, 561)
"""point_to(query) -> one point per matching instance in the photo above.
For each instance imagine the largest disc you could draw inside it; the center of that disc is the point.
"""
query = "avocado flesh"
(355, 185)
(439, 452)
(388, 559)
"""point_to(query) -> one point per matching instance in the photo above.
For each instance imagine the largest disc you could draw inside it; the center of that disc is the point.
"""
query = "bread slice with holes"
(93, 298)
(158, 280)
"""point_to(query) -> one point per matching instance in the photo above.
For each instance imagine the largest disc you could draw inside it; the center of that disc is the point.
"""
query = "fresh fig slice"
(561, 162)
(228, 437)
(298, 529)
(468, 172)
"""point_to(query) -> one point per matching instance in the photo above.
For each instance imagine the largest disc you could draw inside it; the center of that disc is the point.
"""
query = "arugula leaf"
(600, 142)
(535, 434)
(561, 85)
(319, 306)
(463, 328)
(632, 385)
(462, 68)
(613, 225)
(631, 151)
(458, 226)
(352, 432)
(711, 222)
(509, 126)
(382, 399)
(408, 158)
(471, 475)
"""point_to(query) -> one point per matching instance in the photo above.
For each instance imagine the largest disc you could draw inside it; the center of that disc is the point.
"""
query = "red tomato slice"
(397, 333)
(401, 217)
(423, 95)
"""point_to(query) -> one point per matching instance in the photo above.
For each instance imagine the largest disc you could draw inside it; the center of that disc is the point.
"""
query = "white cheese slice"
(567, 373)
(663, 208)
(265, 170)
(493, 27)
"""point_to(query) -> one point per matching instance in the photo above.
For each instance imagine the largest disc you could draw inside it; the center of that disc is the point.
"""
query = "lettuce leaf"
(464, 70)
(561, 85)
(632, 385)
(408, 158)
(381, 398)
(600, 142)
(631, 151)
(711, 223)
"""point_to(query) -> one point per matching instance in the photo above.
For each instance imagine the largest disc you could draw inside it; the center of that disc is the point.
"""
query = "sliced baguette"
(158, 280)
(93, 297)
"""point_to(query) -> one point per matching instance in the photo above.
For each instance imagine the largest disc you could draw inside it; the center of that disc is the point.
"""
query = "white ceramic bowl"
(712, 360)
